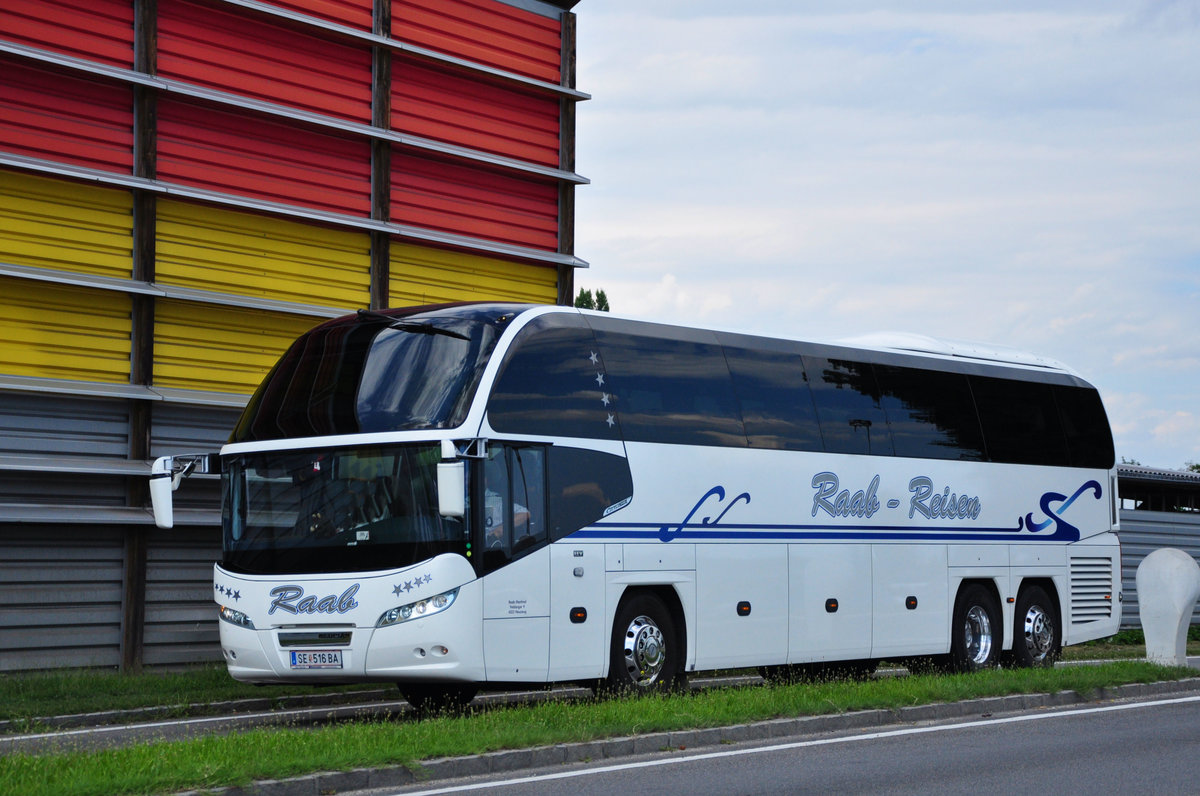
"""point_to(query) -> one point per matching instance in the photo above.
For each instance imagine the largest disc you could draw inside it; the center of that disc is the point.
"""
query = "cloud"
(1020, 173)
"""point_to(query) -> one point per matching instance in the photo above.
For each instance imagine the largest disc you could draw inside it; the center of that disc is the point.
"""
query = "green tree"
(1192, 467)
(585, 300)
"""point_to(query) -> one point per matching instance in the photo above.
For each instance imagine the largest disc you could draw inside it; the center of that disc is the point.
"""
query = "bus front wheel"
(976, 630)
(1038, 639)
(429, 699)
(645, 652)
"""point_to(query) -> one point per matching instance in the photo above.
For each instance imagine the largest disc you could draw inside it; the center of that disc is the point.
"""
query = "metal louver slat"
(485, 31)
(449, 106)
(67, 226)
(210, 248)
(226, 49)
(468, 200)
(98, 30)
(243, 154)
(355, 13)
(204, 347)
(59, 332)
(421, 275)
(60, 117)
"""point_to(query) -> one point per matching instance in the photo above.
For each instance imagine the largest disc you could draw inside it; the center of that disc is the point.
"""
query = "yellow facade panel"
(421, 275)
(219, 349)
(66, 226)
(222, 250)
(57, 332)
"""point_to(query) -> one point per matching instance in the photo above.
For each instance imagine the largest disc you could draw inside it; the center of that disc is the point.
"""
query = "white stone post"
(1168, 584)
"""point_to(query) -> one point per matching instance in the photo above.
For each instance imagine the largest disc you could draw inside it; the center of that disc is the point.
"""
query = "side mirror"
(165, 476)
(162, 484)
(452, 488)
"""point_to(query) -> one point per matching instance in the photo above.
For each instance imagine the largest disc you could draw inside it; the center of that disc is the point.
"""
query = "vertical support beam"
(141, 344)
(381, 157)
(566, 162)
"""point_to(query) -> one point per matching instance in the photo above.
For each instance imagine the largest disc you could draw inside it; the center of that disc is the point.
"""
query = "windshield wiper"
(406, 325)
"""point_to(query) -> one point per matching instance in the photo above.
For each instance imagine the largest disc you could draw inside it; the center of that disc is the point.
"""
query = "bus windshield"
(376, 372)
(335, 510)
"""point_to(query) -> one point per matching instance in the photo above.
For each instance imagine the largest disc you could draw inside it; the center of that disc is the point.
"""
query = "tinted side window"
(1089, 439)
(583, 486)
(671, 390)
(931, 413)
(776, 402)
(1020, 421)
(847, 401)
(548, 383)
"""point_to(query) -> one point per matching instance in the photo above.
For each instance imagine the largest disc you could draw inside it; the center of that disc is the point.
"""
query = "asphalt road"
(1146, 747)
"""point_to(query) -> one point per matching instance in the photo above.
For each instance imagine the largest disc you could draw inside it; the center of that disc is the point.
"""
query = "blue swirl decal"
(668, 532)
(1063, 529)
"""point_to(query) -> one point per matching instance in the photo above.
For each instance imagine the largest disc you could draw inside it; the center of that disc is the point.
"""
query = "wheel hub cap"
(645, 651)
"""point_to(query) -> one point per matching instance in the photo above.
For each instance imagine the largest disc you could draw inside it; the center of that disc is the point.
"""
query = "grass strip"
(240, 758)
(25, 696)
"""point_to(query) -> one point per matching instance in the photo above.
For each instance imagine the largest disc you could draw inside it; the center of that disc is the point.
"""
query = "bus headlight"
(235, 617)
(418, 610)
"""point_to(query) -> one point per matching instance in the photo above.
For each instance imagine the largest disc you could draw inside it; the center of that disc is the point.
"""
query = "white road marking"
(683, 760)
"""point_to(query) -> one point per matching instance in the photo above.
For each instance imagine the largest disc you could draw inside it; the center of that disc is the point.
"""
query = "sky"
(1024, 174)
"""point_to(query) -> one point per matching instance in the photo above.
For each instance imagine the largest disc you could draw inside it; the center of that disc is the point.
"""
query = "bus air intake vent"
(314, 639)
(1091, 589)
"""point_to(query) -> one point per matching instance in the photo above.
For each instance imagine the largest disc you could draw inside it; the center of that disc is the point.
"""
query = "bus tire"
(976, 631)
(430, 699)
(1037, 630)
(645, 652)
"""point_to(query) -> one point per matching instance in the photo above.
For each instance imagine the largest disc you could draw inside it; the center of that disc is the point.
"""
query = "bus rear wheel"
(645, 653)
(1038, 639)
(975, 631)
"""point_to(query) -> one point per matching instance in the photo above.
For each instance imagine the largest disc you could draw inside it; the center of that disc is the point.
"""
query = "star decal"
(594, 359)
(428, 578)
(408, 585)
(398, 588)
(237, 595)
(600, 379)
(611, 421)
(605, 399)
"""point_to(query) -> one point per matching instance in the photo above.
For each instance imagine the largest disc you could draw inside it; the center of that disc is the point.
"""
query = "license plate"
(317, 659)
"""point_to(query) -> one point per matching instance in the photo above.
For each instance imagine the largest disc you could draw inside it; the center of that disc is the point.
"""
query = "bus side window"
(584, 486)
(514, 503)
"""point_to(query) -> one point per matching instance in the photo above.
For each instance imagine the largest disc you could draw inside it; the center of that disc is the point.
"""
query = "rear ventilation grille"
(1091, 589)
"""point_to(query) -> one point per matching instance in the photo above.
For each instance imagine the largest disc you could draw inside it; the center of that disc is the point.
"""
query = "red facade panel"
(66, 119)
(228, 50)
(243, 154)
(485, 31)
(453, 107)
(353, 13)
(468, 200)
(96, 30)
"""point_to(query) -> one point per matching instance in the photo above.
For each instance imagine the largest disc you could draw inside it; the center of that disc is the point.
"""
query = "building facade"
(185, 186)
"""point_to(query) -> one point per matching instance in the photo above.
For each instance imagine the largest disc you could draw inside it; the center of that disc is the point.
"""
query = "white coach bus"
(451, 496)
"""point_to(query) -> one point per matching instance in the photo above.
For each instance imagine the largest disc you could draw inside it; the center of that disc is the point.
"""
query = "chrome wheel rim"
(1039, 633)
(645, 651)
(977, 632)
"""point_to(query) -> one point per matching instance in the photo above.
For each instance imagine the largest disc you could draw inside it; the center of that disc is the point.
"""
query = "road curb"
(507, 761)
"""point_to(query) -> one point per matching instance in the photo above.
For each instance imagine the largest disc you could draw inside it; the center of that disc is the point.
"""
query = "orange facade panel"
(468, 200)
(485, 31)
(466, 111)
(240, 153)
(226, 49)
(95, 30)
(60, 117)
